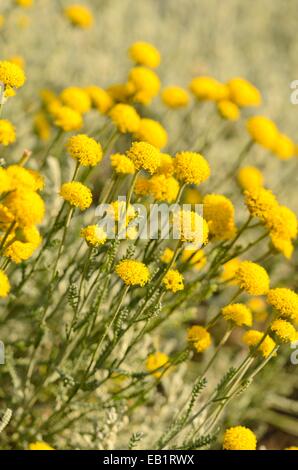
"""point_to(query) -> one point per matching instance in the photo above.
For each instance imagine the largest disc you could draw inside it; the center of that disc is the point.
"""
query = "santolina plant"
(129, 288)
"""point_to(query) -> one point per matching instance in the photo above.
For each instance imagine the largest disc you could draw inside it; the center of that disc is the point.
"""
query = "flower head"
(190, 227)
(79, 15)
(67, 118)
(250, 177)
(144, 156)
(193, 257)
(19, 251)
(238, 314)
(144, 53)
(77, 194)
(121, 164)
(144, 84)
(125, 118)
(263, 131)
(254, 337)
(191, 167)
(175, 97)
(132, 272)
(142, 186)
(20, 177)
(11, 75)
(4, 284)
(228, 110)
(261, 203)
(76, 98)
(26, 206)
(163, 188)
(100, 98)
(40, 445)
(94, 235)
(284, 331)
(199, 337)
(239, 438)
(219, 213)
(285, 301)
(155, 363)
(7, 132)
(42, 126)
(282, 245)
(258, 306)
(153, 132)
(166, 165)
(173, 280)
(208, 88)
(167, 256)
(252, 278)
(244, 93)
(284, 147)
(229, 271)
(85, 150)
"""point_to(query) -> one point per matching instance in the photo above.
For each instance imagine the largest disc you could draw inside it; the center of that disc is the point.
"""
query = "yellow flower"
(67, 118)
(144, 84)
(219, 213)
(229, 271)
(7, 132)
(122, 165)
(284, 147)
(40, 445)
(4, 284)
(283, 223)
(20, 178)
(144, 156)
(173, 280)
(144, 53)
(18, 251)
(2, 21)
(191, 168)
(238, 314)
(76, 98)
(125, 118)
(291, 448)
(175, 97)
(284, 331)
(258, 306)
(239, 438)
(85, 150)
(244, 93)
(26, 206)
(11, 75)
(79, 15)
(285, 301)
(199, 337)
(100, 98)
(42, 126)
(190, 227)
(30, 234)
(132, 272)
(152, 132)
(250, 177)
(252, 278)
(5, 181)
(142, 186)
(195, 258)
(77, 194)
(167, 256)
(263, 131)
(155, 363)
(282, 245)
(261, 203)
(119, 92)
(253, 337)
(118, 209)
(192, 196)
(228, 110)
(208, 88)
(163, 188)
(166, 165)
(94, 235)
